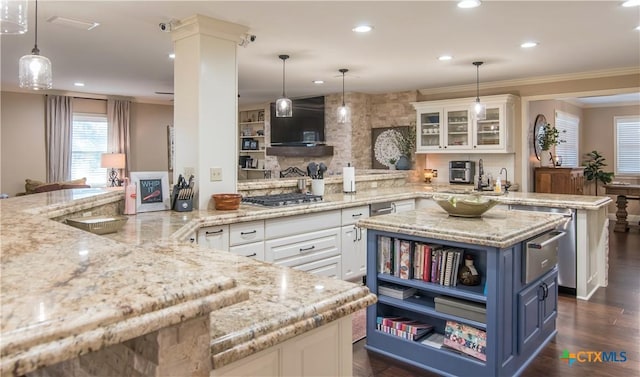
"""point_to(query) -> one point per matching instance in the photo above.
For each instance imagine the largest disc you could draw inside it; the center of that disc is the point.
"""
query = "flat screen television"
(304, 127)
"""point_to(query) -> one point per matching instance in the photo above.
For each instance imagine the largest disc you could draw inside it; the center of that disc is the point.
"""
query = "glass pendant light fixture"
(283, 104)
(13, 16)
(479, 109)
(343, 111)
(35, 69)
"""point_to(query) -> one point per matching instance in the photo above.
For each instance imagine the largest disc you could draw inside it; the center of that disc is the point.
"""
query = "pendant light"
(13, 16)
(479, 109)
(283, 104)
(35, 69)
(343, 111)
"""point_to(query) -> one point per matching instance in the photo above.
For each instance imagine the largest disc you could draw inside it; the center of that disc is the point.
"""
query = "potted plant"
(548, 138)
(593, 169)
(392, 163)
(406, 144)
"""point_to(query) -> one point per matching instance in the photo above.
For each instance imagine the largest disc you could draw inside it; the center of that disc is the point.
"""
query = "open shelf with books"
(477, 327)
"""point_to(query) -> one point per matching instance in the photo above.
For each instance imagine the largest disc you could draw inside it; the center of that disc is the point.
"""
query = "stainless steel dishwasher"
(566, 245)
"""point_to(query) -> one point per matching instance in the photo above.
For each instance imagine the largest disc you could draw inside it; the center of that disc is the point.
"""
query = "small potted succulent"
(392, 163)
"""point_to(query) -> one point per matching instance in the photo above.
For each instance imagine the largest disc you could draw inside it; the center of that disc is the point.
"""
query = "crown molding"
(534, 80)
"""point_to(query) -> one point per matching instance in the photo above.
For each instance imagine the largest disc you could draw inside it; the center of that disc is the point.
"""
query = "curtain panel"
(58, 123)
(118, 117)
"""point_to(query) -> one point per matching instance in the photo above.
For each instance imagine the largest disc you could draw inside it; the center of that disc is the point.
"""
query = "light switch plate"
(215, 174)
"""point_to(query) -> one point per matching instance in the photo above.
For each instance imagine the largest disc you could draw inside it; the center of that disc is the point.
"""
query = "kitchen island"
(76, 303)
(518, 311)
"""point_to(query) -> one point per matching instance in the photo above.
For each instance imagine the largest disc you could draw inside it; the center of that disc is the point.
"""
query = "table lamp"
(428, 174)
(113, 161)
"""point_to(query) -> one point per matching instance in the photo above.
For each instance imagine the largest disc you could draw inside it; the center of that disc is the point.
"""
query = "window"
(568, 125)
(88, 143)
(627, 144)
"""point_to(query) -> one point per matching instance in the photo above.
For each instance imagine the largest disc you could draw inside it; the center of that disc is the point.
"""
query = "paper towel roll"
(349, 179)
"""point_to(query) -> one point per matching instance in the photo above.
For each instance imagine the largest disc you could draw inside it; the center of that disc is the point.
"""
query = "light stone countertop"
(72, 265)
(66, 292)
(496, 228)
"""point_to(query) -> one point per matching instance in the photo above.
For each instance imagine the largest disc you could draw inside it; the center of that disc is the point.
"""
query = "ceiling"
(127, 54)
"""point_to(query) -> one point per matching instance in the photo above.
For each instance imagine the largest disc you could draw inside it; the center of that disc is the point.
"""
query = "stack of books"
(395, 291)
(403, 327)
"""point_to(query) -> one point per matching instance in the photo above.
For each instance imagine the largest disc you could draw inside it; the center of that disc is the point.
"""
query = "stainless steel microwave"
(461, 171)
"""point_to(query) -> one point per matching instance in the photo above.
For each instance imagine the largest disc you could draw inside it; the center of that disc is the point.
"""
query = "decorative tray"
(98, 224)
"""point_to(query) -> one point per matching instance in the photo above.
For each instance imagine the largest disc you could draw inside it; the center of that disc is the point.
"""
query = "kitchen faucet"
(505, 183)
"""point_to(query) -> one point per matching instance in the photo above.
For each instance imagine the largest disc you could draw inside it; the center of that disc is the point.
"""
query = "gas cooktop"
(282, 199)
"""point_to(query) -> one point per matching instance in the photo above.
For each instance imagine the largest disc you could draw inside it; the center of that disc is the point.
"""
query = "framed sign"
(153, 190)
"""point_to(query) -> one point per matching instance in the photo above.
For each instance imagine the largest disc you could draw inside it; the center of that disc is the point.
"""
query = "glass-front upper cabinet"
(458, 134)
(429, 126)
(450, 126)
(488, 132)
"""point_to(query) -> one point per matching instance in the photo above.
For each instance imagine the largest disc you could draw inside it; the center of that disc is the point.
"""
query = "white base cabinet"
(214, 237)
(325, 351)
(309, 242)
(354, 243)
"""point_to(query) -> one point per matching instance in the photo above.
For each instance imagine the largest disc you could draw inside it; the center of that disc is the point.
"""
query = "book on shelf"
(396, 291)
(448, 266)
(434, 340)
(384, 254)
(418, 260)
(467, 339)
(404, 259)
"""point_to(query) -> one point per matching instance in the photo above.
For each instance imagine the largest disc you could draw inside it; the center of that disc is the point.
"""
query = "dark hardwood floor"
(609, 321)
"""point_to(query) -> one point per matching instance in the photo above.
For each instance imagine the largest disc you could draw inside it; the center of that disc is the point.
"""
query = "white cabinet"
(449, 126)
(325, 351)
(214, 237)
(354, 243)
(309, 242)
(247, 239)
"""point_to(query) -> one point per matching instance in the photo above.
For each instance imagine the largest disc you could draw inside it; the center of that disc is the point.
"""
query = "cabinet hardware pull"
(356, 215)
(307, 249)
(387, 209)
(245, 233)
(545, 288)
(252, 255)
(192, 240)
(543, 244)
(216, 232)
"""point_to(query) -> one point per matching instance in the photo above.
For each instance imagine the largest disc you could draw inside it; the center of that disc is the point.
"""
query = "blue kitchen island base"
(520, 317)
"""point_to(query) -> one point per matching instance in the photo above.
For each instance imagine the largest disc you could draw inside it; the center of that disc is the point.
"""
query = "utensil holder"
(317, 187)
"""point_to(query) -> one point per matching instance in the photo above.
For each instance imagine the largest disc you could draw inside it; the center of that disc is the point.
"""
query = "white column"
(206, 103)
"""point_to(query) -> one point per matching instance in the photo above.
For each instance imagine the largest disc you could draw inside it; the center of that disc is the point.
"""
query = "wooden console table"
(624, 192)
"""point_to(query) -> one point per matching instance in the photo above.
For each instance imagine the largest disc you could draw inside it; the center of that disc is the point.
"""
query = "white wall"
(22, 138)
(23, 146)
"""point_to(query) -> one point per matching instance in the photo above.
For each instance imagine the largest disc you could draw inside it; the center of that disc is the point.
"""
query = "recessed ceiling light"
(78, 84)
(362, 29)
(318, 82)
(529, 44)
(445, 57)
(468, 4)
(72, 22)
(172, 56)
(637, 27)
(631, 3)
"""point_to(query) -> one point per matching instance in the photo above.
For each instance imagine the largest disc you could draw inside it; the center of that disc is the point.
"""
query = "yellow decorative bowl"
(465, 206)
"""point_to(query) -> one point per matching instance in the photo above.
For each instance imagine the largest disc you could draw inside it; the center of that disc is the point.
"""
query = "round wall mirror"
(538, 130)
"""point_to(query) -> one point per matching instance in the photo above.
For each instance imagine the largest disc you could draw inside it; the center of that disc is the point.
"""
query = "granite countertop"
(66, 292)
(496, 228)
(74, 270)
